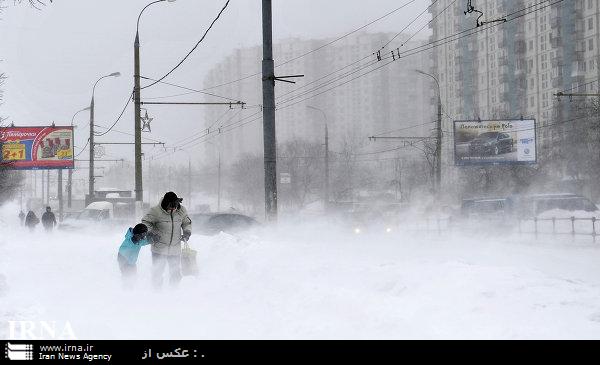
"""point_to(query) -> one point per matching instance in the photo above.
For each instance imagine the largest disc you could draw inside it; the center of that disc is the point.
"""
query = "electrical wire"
(118, 119)
(192, 50)
(192, 91)
(316, 49)
(435, 44)
(472, 30)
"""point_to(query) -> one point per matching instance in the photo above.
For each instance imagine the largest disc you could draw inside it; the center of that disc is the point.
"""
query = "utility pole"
(219, 183)
(43, 189)
(91, 142)
(70, 188)
(47, 187)
(190, 182)
(269, 136)
(438, 149)
(327, 191)
(60, 195)
(137, 126)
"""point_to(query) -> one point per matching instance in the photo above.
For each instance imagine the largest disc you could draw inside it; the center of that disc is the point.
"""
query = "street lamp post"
(438, 157)
(70, 177)
(189, 184)
(218, 174)
(91, 140)
(139, 192)
(327, 189)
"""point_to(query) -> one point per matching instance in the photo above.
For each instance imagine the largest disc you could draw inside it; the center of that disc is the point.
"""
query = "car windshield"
(489, 206)
(93, 214)
(488, 135)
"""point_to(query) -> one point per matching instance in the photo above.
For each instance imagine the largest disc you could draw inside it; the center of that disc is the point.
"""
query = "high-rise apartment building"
(513, 69)
(385, 99)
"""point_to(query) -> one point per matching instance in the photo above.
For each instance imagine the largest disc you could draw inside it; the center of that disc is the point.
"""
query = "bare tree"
(302, 160)
(246, 183)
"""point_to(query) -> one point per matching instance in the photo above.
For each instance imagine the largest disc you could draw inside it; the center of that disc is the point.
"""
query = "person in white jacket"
(168, 224)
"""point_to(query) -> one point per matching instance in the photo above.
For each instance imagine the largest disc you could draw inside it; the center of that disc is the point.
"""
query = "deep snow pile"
(307, 281)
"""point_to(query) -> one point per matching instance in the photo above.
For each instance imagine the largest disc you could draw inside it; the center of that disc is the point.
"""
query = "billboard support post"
(60, 195)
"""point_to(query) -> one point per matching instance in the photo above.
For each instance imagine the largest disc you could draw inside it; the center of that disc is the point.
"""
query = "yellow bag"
(189, 266)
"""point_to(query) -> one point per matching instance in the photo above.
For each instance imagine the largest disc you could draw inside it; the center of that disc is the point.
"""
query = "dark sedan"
(213, 223)
(491, 143)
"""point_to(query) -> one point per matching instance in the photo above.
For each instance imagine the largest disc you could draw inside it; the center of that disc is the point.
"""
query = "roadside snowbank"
(308, 281)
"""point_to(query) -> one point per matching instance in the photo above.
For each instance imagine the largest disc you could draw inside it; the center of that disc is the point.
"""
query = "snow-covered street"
(308, 281)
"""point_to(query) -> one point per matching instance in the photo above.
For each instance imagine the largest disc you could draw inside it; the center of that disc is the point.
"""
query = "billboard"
(33, 148)
(490, 142)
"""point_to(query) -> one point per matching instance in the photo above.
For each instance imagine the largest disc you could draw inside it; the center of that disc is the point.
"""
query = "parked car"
(491, 143)
(534, 205)
(487, 208)
(213, 223)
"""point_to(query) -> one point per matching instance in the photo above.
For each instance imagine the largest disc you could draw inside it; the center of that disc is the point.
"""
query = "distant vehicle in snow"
(100, 212)
(534, 205)
(526, 206)
(213, 223)
(487, 208)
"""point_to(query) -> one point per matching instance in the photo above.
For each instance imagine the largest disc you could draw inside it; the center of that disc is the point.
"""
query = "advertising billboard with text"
(36, 148)
(490, 142)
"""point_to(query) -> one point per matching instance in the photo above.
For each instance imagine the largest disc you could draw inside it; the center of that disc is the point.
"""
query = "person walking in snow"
(48, 220)
(169, 224)
(31, 220)
(129, 250)
(22, 218)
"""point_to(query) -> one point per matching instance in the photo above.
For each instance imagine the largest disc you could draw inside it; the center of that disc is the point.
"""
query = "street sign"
(285, 178)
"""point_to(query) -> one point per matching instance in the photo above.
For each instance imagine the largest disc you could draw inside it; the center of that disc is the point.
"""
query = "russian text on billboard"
(30, 148)
(494, 142)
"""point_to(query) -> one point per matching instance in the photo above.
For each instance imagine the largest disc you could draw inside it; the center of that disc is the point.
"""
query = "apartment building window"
(591, 44)
(591, 4)
(531, 45)
(543, 42)
(590, 23)
(532, 101)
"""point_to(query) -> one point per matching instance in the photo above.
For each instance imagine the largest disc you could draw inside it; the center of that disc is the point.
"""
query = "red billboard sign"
(36, 148)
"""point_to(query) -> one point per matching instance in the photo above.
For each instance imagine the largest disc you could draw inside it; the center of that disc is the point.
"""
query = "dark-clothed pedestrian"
(31, 220)
(48, 220)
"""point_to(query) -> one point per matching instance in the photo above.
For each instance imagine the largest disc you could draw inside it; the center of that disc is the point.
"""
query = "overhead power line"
(192, 50)
(118, 118)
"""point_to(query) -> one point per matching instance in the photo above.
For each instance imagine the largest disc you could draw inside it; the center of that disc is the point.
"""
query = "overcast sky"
(54, 56)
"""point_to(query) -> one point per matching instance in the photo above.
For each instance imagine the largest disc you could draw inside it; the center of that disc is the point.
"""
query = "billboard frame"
(495, 163)
(8, 166)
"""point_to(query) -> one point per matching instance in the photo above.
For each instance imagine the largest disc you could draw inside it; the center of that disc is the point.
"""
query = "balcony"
(556, 42)
(555, 22)
(520, 46)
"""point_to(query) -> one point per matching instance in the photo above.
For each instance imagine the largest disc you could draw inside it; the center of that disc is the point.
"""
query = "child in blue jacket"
(129, 250)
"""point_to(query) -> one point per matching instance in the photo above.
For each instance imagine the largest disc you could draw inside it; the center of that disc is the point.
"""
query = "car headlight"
(357, 230)
(388, 230)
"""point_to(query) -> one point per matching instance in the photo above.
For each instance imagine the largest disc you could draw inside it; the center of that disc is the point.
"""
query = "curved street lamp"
(326, 197)
(438, 167)
(91, 140)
